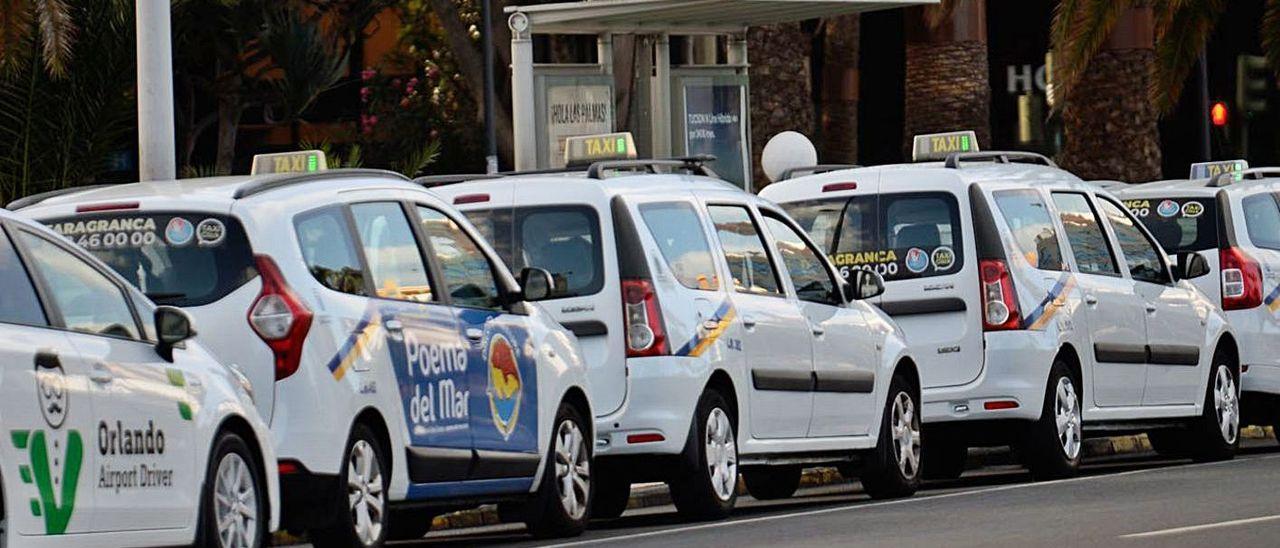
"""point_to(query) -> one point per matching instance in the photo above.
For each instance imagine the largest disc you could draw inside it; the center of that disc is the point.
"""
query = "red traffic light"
(1219, 114)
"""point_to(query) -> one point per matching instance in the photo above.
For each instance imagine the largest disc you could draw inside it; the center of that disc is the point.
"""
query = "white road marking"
(1205, 527)
(867, 506)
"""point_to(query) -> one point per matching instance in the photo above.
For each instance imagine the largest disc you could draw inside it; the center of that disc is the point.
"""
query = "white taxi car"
(719, 338)
(118, 429)
(1039, 309)
(404, 371)
(1233, 218)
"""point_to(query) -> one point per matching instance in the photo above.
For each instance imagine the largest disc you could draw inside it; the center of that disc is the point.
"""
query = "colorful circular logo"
(1168, 208)
(917, 260)
(944, 258)
(505, 385)
(179, 231)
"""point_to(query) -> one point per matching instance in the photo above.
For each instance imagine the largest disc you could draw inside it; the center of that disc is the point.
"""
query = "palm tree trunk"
(839, 106)
(948, 82)
(781, 86)
(229, 112)
(1109, 123)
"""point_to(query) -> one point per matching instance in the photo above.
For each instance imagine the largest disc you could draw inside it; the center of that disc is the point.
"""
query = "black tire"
(1207, 441)
(692, 488)
(612, 488)
(1170, 443)
(772, 482)
(409, 524)
(546, 516)
(362, 447)
(890, 472)
(1045, 450)
(226, 449)
(947, 456)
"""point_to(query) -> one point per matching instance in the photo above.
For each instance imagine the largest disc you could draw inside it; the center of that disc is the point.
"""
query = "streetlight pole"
(157, 159)
(490, 96)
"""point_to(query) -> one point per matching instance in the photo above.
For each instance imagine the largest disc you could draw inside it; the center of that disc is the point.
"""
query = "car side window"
(18, 302)
(392, 252)
(86, 299)
(468, 276)
(744, 250)
(1140, 252)
(808, 271)
(1262, 220)
(677, 229)
(1089, 244)
(328, 251)
(1028, 219)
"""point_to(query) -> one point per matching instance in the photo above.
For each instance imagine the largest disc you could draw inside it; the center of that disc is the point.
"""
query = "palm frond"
(57, 34)
(1079, 30)
(936, 15)
(417, 161)
(1182, 31)
(15, 32)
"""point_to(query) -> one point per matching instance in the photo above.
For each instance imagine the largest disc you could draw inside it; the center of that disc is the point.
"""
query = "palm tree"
(838, 103)
(49, 23)
(947, 79)
(781, 86)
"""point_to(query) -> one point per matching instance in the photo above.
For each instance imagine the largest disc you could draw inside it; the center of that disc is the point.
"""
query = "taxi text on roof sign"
(1209, 170)
(587, 149)
(937, 146)
(305, 161)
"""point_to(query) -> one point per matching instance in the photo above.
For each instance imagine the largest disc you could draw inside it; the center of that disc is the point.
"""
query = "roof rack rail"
(1000, 157)
(695, 164)
(1254, 174)
(253, 188)
(815, 170)
(432, 181)
(37, 198)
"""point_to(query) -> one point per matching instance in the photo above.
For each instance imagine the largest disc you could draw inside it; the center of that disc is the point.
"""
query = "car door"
(502, 372)
(1114, 309)
(1174, 324)
(145, 476)
(1262, 227)
(776, 334)
(428, 357)
(48, 450)
(845, 349)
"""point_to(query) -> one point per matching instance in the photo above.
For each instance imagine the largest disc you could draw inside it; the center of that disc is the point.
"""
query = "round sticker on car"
(210, 232)
(1168, 208)
(1192, 209)
(944, 258)
(917, 260)
(179, 231)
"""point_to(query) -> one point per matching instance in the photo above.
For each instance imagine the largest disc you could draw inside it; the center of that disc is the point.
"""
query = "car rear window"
(677, 229)
(563, 240)
(176, 258)
(900, 236)
(1179, 224)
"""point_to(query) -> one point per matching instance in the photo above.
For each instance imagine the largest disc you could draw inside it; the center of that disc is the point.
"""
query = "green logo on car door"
(57, 495)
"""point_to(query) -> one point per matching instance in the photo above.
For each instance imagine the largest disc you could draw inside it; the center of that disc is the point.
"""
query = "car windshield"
(1180, 224)
(176, 258)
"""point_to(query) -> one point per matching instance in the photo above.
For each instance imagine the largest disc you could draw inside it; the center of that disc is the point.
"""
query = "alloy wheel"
(365, 494)
(1067, 413)
(235, 503)
(1227, 405)
(906, 435)
(721, 451)
(573, 469)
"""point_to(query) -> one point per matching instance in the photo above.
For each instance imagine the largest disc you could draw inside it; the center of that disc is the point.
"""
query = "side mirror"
(863, 285)
(173, 327)
(1191, 266)
(536, 284)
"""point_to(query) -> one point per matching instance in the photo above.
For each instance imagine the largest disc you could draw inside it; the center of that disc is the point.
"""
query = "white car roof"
(936, 174)
(565, 186)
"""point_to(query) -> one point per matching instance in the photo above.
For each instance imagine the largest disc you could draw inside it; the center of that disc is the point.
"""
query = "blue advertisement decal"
(504, 383)
(432, 369)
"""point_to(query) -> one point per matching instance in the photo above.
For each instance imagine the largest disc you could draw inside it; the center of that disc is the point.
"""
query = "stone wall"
(781, 86)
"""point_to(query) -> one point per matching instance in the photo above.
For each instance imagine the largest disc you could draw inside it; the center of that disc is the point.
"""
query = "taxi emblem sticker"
(1168, 208)
(179, 231)
(505, 385)
(943, 258)
(210, 232)
(917, 260)
(1192, 209)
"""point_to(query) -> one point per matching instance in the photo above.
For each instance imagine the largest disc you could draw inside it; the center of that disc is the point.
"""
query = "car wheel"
(235, 513)
(612, 493)
(559, 508)
(363, 493)
(706, 486)
(409, 524)
(772, 482)
(893, 469)
(946, 457)
(1216, 433)
(1052, 445)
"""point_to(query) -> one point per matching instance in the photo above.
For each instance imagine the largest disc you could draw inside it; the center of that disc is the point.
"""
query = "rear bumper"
(656, 415)
(307, 500)
(1012, 382)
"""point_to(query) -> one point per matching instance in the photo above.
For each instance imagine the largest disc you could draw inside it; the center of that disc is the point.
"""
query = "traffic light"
(1219, 114)
(1253, 84)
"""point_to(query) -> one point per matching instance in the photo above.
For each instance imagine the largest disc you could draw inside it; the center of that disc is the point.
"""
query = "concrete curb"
(655, 494)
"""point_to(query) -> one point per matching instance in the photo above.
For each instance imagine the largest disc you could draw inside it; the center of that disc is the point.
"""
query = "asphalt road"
(1130, 501)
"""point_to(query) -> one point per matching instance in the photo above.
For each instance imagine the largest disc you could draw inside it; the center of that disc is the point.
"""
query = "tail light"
(1241, 279)
(646, 335)
(279, 318)
(999, 301)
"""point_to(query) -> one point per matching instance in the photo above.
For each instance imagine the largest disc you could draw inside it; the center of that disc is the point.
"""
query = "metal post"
(604, 53)
(524, 122)
(157, 158)
(1202, 87)
(490, 95)
(738, 50)
(660, 96)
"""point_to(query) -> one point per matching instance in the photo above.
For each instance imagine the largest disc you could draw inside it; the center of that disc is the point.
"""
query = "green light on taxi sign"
(587, 149)
(306, 161)
(938, 146)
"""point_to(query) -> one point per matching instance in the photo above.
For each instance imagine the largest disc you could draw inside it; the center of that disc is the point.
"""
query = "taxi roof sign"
(1209, 170)
(588, 149)
(305, 161)
(937, 146)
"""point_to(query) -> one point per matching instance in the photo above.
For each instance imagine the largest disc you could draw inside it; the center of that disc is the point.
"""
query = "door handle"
(818, 330)
(1151, 308)
(475, 335)
(748, 322)
(101, 375)
(1090, 300)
